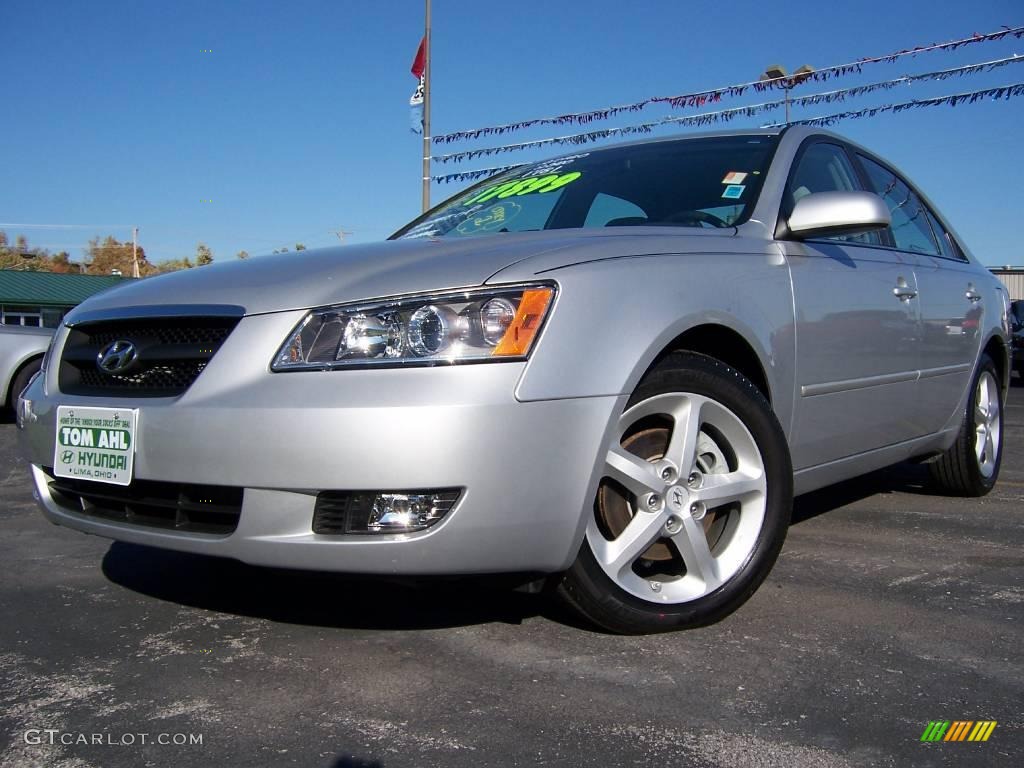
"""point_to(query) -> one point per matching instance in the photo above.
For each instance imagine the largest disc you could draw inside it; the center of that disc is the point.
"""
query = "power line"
(66, 226)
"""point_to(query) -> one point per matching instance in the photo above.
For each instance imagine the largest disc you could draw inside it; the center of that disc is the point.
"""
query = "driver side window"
(826, 168)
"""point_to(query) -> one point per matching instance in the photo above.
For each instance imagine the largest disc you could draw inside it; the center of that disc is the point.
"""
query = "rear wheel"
(971, 465)
(693, 507)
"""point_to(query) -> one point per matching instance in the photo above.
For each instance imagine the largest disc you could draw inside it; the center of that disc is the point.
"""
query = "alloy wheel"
(682, 502)
(987, 423)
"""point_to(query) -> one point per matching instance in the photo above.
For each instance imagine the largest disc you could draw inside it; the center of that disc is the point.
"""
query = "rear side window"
(947, 245)
(910, 229)
(826, 168)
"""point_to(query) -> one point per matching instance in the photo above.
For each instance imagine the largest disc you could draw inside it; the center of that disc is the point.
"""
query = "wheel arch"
(997, 349)
(7, 395)
(724, 344)
(735, 308)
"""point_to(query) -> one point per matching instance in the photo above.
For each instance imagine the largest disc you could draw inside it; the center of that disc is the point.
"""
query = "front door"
(857, 328)
(856, 343)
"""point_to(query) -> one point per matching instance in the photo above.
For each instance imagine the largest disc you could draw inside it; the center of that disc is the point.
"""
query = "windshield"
(707, 182)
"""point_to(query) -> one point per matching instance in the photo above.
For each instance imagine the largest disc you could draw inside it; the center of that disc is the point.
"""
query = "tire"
(659, 554)
(971, 465)
(21, 380)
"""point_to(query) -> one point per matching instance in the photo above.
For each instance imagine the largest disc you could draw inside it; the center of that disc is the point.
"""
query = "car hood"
(311, 278)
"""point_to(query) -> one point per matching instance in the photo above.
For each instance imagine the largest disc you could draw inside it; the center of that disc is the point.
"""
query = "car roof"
(800, 130)
(26, 330)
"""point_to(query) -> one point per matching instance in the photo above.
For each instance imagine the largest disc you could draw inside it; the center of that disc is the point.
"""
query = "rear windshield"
(708, 182)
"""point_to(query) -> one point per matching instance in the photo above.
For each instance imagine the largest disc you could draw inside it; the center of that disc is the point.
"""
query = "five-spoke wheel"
(682, 502)
(988, 423)
(970, 467)
(693, 504)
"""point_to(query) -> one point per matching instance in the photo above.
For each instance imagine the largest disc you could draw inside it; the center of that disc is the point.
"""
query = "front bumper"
(528, 471)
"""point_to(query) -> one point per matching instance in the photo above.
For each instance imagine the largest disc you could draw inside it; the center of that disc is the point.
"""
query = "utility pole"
(135, 252)
(426, 111)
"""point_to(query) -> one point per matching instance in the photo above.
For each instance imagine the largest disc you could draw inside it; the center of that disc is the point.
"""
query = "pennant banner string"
(706, 118)
(477, 174)
(1004, 92)
(714, 95)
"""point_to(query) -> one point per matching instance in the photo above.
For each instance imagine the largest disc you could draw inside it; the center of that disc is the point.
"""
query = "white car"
(21, 354)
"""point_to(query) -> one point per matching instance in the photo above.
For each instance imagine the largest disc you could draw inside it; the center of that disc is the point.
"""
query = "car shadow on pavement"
(316, 598)
(354, 602)
(900, 478)
(348, 761)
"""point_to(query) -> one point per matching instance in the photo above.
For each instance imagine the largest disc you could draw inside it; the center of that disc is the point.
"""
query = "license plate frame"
(96, 444)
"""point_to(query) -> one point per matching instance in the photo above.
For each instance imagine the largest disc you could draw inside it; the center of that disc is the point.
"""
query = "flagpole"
(426, 111)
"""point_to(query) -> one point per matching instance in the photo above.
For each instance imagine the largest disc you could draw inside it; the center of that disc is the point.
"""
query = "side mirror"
(822, 214)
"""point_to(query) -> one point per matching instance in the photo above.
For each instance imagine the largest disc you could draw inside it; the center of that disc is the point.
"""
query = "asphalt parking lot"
(888, 608)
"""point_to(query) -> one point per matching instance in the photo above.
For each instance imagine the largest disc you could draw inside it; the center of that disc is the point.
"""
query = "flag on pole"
(416, 109)
(419, 66)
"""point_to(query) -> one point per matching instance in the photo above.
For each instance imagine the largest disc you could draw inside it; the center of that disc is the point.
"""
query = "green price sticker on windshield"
(528, 186)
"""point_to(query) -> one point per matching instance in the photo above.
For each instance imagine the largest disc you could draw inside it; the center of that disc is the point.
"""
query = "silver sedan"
(610, 370)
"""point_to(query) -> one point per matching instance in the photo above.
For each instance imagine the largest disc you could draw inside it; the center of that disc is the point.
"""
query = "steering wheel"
(696, 217)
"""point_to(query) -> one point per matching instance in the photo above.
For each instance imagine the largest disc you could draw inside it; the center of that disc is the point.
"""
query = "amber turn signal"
(529, 317)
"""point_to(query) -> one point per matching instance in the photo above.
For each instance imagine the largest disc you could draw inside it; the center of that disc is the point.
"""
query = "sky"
(255, 125)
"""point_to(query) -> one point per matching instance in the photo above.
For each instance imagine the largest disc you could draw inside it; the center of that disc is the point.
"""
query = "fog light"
(342, 512)
(24, 412)
(404, 511)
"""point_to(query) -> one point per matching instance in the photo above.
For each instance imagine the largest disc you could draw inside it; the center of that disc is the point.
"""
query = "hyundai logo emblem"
(117, 357)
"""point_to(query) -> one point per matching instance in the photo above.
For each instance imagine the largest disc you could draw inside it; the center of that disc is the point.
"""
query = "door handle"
(904, 292)
(972, 295)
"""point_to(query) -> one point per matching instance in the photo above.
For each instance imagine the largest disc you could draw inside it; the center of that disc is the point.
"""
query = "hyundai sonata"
(612, 370)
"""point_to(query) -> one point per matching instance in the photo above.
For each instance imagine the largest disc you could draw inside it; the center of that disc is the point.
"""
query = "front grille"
(171, 353)
(156, 380)
(172, 506)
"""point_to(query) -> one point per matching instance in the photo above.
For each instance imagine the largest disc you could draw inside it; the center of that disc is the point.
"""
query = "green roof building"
(43, 298)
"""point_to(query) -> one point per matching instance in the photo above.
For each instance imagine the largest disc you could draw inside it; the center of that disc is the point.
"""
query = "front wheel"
(693, 506)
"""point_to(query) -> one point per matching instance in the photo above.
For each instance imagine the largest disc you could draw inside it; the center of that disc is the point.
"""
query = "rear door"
(949, 302)
(856, 326)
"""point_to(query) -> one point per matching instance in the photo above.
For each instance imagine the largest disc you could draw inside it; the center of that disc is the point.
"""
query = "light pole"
(135, 252)
(777, 72)
(426, 108)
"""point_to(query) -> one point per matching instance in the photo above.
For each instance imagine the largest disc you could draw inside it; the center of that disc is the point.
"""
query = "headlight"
(478, 325)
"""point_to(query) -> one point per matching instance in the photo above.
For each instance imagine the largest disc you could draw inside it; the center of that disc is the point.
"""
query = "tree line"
(104, 256)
